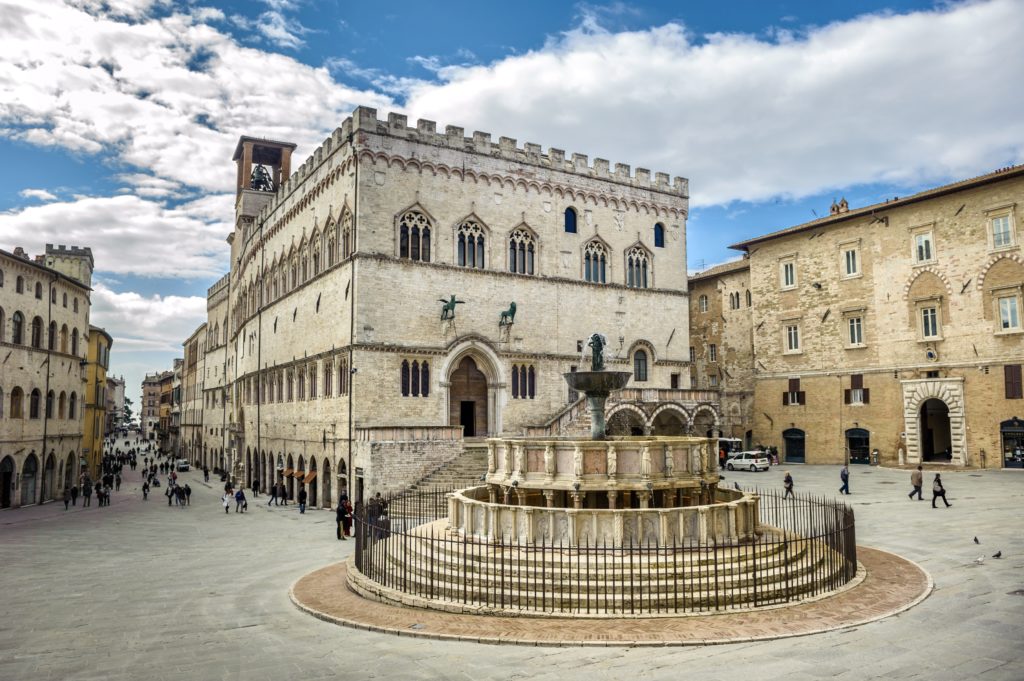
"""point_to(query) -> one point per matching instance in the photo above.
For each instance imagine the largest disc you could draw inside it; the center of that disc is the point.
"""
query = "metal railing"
(808, 548)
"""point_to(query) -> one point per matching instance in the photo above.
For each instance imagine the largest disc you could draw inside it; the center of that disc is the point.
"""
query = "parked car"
(181, 465)
(750, 461)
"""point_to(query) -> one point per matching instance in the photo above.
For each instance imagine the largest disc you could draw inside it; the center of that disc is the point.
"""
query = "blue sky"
(118, 117)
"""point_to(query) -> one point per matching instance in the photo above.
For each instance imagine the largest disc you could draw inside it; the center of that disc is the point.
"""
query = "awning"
(298, 474)
(310, 477)
(287, 472)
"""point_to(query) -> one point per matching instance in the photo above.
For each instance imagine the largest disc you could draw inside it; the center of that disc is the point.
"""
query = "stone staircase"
(463, 471)
(436, 568)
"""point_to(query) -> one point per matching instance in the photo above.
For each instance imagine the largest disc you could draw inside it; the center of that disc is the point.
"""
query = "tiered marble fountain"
(606, 512)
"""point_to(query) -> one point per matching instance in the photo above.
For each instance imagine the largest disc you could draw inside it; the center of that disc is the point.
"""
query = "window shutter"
(846, 396)
(857, 381)
(867, 396)
(794, 385)
(1012, 374)
(785, 399)
(801, 397)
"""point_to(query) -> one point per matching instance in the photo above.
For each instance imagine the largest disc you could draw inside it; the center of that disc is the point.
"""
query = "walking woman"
(939, 491)
(788, 482)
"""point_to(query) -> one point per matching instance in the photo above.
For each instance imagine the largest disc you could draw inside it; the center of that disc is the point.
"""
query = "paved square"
(142, 591)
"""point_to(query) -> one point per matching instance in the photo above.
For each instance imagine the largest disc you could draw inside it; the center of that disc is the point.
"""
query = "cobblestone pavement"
(142, 591)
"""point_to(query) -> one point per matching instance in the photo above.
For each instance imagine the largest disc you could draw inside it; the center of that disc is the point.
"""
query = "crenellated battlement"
(365, 120)
(70, 251)
(218, 286)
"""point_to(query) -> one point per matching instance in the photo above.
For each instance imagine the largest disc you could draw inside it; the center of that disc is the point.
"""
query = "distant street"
(142, 591)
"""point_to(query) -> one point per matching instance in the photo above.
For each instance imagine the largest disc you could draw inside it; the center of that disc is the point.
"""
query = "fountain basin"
(597, 382)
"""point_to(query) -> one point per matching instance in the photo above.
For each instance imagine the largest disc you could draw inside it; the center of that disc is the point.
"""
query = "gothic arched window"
(522, 251)
(348, 238)
(640, 365)
(415, 376)
(413, 236)
(595, 263)
(636, 268)
(425, 379)
(51, 342)
(74, 342)
(405, 378)
(570, 220)
(17, 328)
(33, 404)
(37, 333)
(72, 406)
(39, 291)
(470, 243)
(659, 235)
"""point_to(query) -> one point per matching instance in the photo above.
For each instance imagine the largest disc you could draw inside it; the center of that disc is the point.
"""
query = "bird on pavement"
(979, 560)
(976, 541)
(997, 554)
(736, 485)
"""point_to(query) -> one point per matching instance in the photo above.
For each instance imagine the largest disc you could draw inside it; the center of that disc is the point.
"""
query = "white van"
(181, 465)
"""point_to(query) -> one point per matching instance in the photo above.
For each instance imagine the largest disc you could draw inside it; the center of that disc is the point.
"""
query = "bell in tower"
(262, 164)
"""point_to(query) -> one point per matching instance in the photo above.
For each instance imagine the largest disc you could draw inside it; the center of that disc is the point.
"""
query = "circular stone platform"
(891, 585)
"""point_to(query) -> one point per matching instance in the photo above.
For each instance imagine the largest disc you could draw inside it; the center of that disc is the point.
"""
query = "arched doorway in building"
(1012, 432)
(6, 481)
(625, 421)
(704, 422)
(325, 485)
(49, 478)
(311, 482)
(936, 438)
(248, 468)
(793, 442)
(668, 421)
(289, 470)
(69, 471)
(858, 444)
(29, 473)
(467, 398)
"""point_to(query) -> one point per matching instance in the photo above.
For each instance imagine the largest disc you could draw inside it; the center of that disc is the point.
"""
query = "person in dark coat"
(188, 495)
(145, 490)
(74, 495)
(67, 498)
(340, 520)
(939, 491)
(273, 495)
(302, 499)
(788, 483)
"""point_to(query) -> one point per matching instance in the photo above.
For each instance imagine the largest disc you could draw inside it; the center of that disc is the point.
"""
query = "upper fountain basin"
(597, 382)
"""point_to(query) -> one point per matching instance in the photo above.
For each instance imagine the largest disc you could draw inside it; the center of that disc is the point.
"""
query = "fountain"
(609, 524)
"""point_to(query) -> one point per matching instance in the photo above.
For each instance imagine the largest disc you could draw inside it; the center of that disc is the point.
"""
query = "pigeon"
(976, 541)
(736, 485)
(979, 560)
(997, 554)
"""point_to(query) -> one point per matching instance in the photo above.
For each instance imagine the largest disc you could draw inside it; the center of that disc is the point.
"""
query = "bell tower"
(262, 166)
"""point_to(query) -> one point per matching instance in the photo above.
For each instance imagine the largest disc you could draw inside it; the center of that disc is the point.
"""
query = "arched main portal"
(69, 470)
(29, 473)
(668, 421)
(467, 398)
(936, 439)
(248, 468)
(312, 476)
(6, 481)
(793, 439)
(858, 444)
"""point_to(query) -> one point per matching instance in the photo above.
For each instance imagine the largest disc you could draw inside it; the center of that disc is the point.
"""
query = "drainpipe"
(352, 314)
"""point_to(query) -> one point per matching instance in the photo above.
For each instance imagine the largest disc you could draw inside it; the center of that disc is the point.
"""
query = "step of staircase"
(463, 471)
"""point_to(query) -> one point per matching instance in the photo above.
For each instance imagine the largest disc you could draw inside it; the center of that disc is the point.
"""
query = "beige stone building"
(149, 410)
(722, 347)
(44, 322)
(215, 445)
(192, 395)
(895, 327)
(342, 368)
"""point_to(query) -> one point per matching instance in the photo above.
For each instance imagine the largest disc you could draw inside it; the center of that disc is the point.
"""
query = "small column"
(613, 498)
(529, 524)
(520, 497)
(572, 528)
(663, 528)
(453, 512)
(619, 528)
(702, 525)
(507, 496)
(577, 500)
(492, 493)
(645, 499)
(492, 523)
(549, 497)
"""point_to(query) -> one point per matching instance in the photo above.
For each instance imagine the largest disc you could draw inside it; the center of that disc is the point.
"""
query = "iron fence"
(808, 548)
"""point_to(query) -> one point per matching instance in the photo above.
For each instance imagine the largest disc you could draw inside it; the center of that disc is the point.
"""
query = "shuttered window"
(1014, 389)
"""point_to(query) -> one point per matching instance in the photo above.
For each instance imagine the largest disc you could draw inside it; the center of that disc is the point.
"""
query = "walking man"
(282, 494)
(67, 498)
(74, 495)
(788, 484)
(302, 499)
(273, 494)
(844, 476)
(917, 480)
(117, 482)
(255, 488)
(86, 493)
(145, 490)
(188, 495)
(939, 491)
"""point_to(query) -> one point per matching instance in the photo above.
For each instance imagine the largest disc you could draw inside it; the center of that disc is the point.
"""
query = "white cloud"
(40, 194)
(133, 235)
(167, 95)
(139, 323)
(895, 98)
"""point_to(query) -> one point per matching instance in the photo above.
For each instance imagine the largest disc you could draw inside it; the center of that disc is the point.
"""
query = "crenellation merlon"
(364, 119)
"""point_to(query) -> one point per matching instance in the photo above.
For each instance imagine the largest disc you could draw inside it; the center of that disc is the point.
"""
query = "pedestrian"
(239, 500)
(339, 518)
(86, 493)
(255, 488)
(117, 482)
(273, 494)
(917, 480)
(788, 483)
(67, 498)
(145, 490)
(282, 494)
(226, 500)
(74, 495)
(169, 493)
(346, 520)
(106, 495)
(206, 474)
(180, 492)
(302, 499)
(188, 495)
(939, 491)
(99, 493)
(844, 476)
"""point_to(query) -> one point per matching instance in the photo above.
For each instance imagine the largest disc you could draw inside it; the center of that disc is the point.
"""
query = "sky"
(118, 118)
